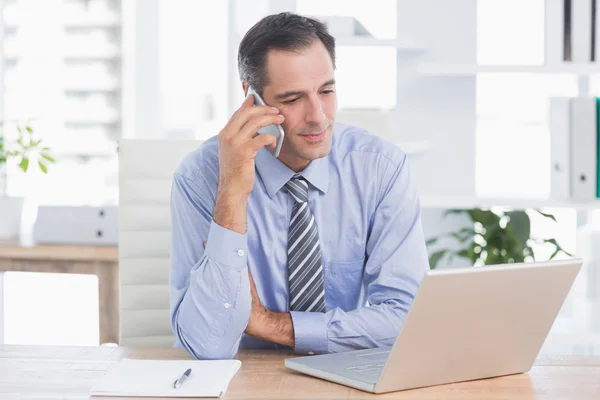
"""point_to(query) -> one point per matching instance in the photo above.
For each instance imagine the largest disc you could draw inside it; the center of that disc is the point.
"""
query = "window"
(193, 42)
(62, 72)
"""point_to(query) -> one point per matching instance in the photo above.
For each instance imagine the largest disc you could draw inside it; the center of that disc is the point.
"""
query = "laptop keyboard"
(368, 369)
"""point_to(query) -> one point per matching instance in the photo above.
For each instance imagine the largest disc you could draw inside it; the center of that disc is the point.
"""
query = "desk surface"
(11, 250)
(44, 372)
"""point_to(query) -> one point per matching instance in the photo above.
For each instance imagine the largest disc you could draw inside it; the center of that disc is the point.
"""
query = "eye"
(328, 91)
(292, 101)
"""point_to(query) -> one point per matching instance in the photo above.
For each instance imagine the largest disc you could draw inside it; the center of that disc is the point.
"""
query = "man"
(286, 253)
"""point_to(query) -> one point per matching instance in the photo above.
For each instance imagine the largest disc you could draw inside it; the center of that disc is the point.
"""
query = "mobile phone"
(274, 129)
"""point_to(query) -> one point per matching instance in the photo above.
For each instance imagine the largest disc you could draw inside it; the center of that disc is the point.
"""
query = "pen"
(182, 379)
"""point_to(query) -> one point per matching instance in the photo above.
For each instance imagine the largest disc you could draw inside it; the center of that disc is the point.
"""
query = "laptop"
(464, 324)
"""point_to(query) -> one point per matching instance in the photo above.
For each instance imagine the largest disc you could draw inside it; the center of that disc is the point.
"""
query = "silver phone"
(274, 129)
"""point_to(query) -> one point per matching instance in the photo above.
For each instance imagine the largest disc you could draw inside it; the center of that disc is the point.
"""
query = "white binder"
(560, 148)
(581, 31)
(554, 31)
(584, 150)
(597, 36)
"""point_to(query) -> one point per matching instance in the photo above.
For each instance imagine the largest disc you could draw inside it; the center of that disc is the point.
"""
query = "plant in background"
(494, 238)
(25, 148)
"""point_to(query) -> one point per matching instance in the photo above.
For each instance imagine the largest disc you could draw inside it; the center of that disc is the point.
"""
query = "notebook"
(155, 378)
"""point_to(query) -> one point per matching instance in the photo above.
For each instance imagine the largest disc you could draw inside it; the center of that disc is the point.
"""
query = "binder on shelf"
(554, 31)
(560, 148)
(584, 148)
(598, 150)
(581, 30)
(596, 31)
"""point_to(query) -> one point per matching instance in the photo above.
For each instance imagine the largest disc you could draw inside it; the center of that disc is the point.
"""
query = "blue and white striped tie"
(305, 271)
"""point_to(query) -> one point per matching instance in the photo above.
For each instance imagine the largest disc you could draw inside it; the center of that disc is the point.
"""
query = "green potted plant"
(24, 150)
(493, 238)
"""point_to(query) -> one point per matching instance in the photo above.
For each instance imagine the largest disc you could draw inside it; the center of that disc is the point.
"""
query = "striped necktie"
(306, 292)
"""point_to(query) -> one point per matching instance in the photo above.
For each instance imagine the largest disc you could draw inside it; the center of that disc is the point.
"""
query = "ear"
(245, 88)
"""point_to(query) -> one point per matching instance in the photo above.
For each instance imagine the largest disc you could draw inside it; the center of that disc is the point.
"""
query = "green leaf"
(520, 227)
(48, 157)
(29, 129)
(464, 253)
(484, 217)
(43, 167)
(431, 241)
(435, 258)
(547, 215)
(555, 253)
(558, 247)
(24, 164)
(454, 211)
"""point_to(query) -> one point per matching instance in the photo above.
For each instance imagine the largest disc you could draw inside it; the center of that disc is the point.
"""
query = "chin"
(314, 151)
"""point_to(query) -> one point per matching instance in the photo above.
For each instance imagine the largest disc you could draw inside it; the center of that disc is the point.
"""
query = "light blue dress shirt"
(367, 211)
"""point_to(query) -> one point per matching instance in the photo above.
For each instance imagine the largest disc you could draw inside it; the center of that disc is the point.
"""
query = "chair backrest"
(145, 176)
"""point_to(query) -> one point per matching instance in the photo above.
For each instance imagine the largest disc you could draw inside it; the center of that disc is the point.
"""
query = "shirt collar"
(276, 174)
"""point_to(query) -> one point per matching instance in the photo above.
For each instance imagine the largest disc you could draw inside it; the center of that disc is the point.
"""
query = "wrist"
(231, 194)
(280, 327)
(230, 210)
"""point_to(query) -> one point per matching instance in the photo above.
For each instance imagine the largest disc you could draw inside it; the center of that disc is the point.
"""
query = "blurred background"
(462, 86)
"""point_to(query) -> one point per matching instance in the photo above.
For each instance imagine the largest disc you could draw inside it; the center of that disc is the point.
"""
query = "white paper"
(155, 378)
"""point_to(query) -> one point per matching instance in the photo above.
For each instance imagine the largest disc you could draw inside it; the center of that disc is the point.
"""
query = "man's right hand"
(238, 145)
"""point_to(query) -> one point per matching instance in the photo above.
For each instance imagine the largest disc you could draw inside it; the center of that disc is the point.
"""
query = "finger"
(247, 103)
(247, 114)
(255, 124)
(204, 244)
(261, 141)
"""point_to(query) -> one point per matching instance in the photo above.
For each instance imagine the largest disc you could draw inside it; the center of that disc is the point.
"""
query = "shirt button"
(241, 253)
(312, 353)
(226, 305)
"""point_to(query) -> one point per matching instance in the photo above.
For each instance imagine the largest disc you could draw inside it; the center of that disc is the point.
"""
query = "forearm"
(231, 209)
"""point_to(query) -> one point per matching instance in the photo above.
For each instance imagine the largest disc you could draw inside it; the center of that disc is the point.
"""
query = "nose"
(314, 113)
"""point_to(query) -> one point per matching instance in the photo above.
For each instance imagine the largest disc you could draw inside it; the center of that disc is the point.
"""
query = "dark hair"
(284, 31)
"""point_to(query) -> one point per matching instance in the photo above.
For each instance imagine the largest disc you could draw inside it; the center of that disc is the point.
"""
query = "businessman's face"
(301, 85)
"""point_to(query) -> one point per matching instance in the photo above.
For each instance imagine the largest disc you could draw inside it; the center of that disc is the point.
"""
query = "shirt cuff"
(226, 246)
(310, 332)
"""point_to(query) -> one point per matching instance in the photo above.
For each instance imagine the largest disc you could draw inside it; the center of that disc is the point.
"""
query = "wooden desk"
(96, 260)
(43, 372)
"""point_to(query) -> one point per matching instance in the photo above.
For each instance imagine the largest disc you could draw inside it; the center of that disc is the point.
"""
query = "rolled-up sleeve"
(210, 299)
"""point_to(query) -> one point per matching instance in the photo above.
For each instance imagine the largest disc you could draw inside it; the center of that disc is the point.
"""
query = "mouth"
(315, 137)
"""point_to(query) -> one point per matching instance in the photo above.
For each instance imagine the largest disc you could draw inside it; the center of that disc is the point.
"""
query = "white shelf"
(441, 69)
(111, 52)
(92, 120)
(414, 148)
(404, 45)
(77, 20)
(466, 202)
(87, 20)
(92, 87)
